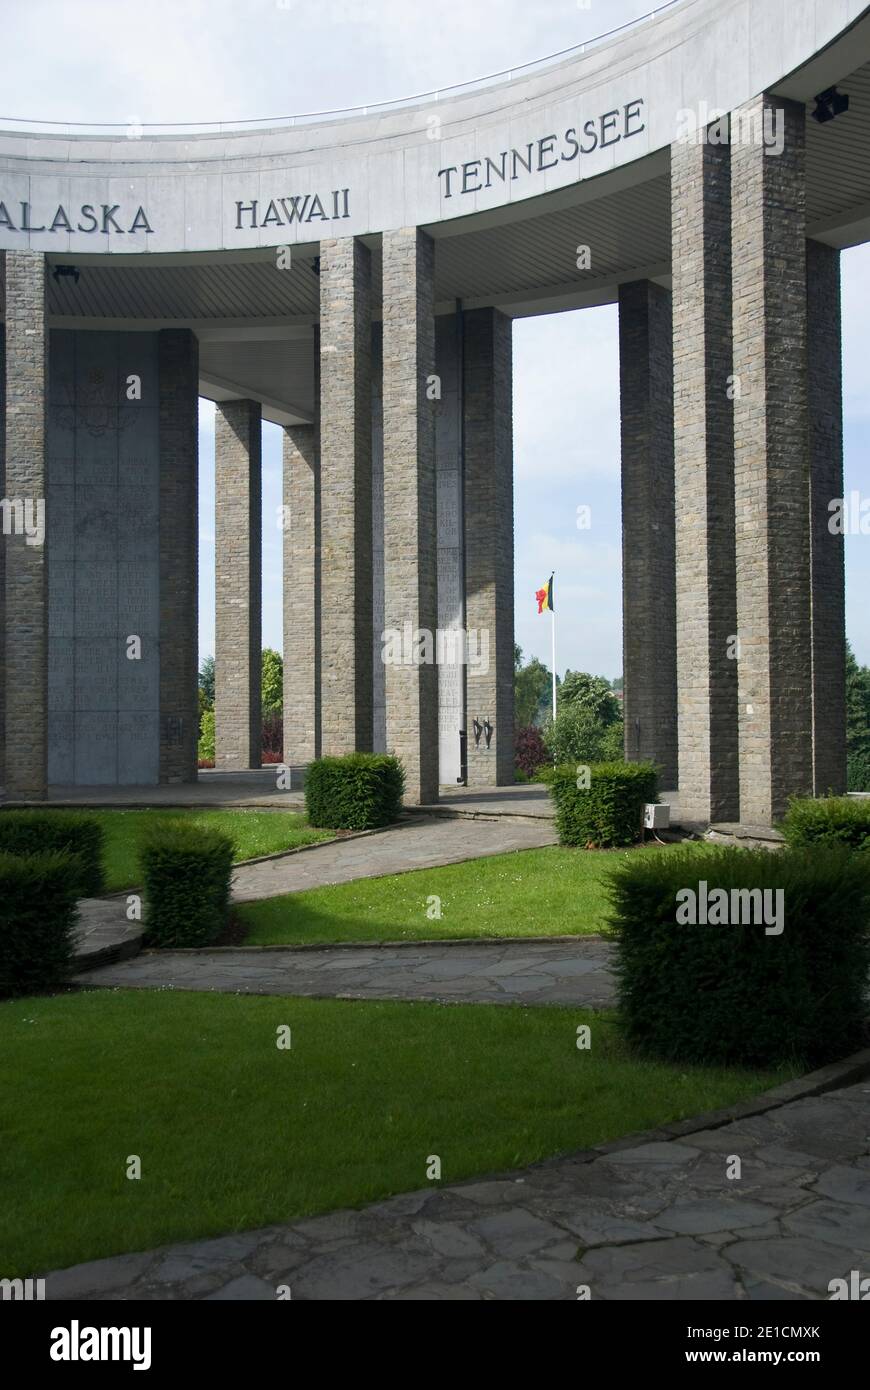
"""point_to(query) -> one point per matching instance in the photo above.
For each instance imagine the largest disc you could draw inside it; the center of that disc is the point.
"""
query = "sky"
(194, 60)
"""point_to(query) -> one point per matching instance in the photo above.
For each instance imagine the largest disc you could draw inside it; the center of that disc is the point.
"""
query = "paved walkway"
(554, 972)
(650, 1220)
(417, 843)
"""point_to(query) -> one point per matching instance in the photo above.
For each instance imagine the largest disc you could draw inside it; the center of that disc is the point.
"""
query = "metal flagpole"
(553, 635)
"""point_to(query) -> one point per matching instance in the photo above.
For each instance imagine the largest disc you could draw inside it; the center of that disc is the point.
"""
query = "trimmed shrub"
(186, 870)
(830, 820)
(71, 832)
(358, 792)
(734, 994)
(37, 920)
(577, 735)
(529, 751)
(608, 812)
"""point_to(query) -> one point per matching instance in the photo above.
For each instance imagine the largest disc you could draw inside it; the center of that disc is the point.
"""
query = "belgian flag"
(545, 597)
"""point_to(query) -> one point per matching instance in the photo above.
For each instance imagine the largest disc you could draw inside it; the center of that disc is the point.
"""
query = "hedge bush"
(37, 920)
(358, 792)
(842, 820)
(577, 735)
(735, 994)
(36, 832)
(186, 870)
(607, 812)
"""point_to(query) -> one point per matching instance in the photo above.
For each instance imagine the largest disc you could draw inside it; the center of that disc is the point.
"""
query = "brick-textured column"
(2, 537)
(301, 593)
(825, 403)
(489, 543)
(649, 613)
(26, 586)
(771, 460)
(410, 539)
(346, 496)
(706, 600)
(238, 585)
(178, 358)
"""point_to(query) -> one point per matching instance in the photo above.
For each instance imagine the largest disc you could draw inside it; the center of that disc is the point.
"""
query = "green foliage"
(186, 871)
(34, 832)
(734, 994)
(206, 680)
(857, 724)
(837, 820)
(206, 736)
(607, 812)
(858, 772)
(591, 693)
(272, 682)
(532, 691)
(37, 920)
(358, 792)
(577, 735)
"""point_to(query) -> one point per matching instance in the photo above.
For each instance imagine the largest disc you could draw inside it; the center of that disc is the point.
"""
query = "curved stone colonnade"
(354, 280)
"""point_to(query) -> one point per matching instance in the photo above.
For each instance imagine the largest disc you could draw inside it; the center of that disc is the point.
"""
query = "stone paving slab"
(656, 1220)
(498, 972)
(103, 932)
(421, 843)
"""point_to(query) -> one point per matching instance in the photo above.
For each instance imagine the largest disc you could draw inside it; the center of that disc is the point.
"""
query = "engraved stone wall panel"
(103, 538)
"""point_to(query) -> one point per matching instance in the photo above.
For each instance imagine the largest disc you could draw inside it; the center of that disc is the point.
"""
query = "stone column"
(410, 539)
(489, 544)
(450, 523)
(648, 584)
(771, 456)
(825, 400)
(26, 557)
(706, 601)
(302, 592)
(2, 536)
(238, 585)
(346, 496)
(178, 366)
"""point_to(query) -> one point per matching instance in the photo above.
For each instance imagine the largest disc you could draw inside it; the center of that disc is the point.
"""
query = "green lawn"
(546, 892)
(233, 1133)
(253, 832)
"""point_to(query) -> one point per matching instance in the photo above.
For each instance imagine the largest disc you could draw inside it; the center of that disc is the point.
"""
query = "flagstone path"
(495, 972)
(652, 1217)
(420, 842)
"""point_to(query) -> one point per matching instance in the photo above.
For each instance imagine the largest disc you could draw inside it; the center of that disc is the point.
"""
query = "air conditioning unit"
(656, 817)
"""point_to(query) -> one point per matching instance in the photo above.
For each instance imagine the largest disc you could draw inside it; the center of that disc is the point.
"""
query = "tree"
(206, 680)
(272, 682)
(577, 736)
(532, 686)
(857, 723)
(591, 693)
